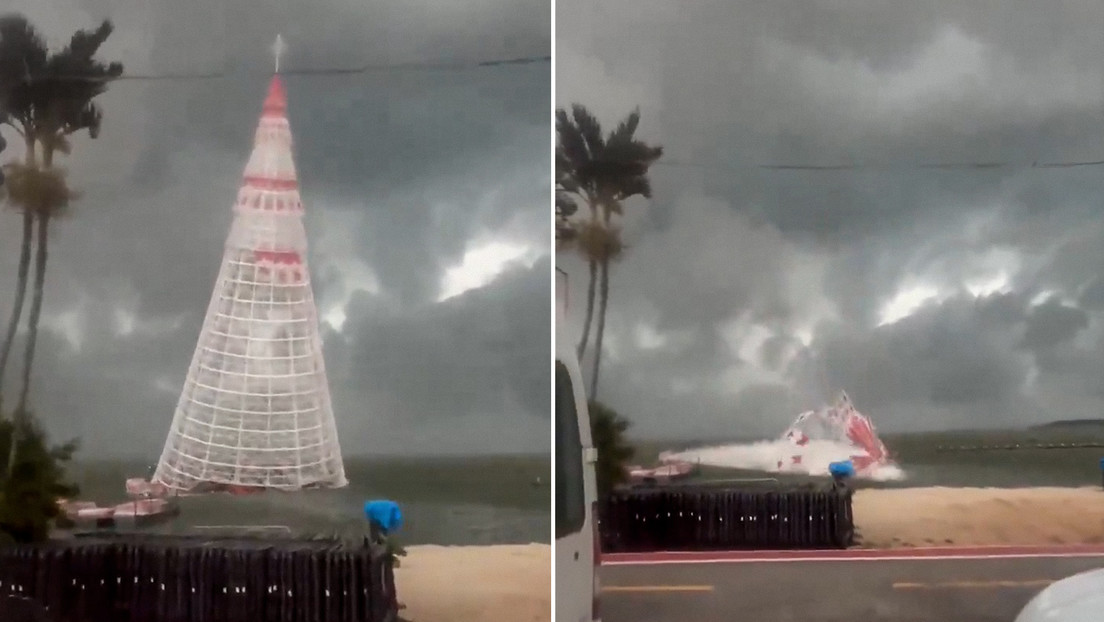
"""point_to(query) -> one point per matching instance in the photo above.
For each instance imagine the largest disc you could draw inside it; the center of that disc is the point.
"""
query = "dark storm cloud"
(734, 265)
(1053, 324)
(437, 219)
(403, 171)
(1093, 296)
(953, 353)
(476, 357)
(116, 391)
(475, 353)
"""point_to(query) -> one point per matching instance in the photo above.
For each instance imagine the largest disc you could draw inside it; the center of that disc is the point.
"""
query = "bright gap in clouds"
(906, 302)
(1046, 295)
(335, 247)
(909, 300)
(995, 284)
(335, 317)
(481, 265)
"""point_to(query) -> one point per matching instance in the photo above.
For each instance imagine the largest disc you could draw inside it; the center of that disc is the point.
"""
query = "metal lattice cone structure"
(255, 411)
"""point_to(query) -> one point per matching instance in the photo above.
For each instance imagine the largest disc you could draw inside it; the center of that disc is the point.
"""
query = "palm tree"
(579, 136)
(602, 172)
(44, 194)
(46, 98)
(22, 51)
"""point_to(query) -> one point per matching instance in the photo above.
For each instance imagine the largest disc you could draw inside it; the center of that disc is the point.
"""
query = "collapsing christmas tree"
(255, 411)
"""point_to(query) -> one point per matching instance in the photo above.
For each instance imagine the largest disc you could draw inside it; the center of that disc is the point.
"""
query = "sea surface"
(447, 501)
(993, 458)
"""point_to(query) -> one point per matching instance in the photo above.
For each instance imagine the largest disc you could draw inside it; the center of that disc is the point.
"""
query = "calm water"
(927, 461)
(485, 500)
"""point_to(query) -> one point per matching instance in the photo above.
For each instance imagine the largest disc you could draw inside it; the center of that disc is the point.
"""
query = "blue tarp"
(841, 469)
(385, 514)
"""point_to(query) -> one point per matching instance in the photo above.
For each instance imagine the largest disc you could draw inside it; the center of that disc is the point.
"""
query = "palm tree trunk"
(20, 417)
(36, 311)
(581, 349)
(603, 300)
(22, 273)
(20, 294)
(36, 302)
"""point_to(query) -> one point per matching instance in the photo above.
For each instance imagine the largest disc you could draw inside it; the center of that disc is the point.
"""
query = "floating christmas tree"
(255, 411)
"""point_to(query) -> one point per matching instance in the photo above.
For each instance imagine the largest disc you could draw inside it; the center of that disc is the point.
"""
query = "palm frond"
(639, 185)
(566, 180)
(46, 94)
(589, 128)
(23, 53)
(604, 173)
(625, 129)
(572, 148)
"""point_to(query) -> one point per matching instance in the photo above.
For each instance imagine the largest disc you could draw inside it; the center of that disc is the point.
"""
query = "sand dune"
(476, 583)
(912, 517)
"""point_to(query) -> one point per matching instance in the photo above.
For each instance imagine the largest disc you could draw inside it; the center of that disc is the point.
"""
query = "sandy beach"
(916, 517)
(476, 583)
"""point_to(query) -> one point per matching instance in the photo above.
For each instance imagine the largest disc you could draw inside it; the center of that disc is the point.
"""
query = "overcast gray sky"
(936, 297)
(427, 209)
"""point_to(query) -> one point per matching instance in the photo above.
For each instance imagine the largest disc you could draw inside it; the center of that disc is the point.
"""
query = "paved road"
(884, 590)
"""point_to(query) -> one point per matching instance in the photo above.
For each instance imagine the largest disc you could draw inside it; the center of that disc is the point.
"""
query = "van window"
(570, 493)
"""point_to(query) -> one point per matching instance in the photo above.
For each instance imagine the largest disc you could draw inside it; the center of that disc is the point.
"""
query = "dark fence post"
(147, 578)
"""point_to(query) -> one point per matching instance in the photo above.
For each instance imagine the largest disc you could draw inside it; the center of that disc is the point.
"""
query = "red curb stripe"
(933, 553)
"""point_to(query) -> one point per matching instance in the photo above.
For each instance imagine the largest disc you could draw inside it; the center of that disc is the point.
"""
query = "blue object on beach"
(1102, 464)
(841, 469)
(385, 514)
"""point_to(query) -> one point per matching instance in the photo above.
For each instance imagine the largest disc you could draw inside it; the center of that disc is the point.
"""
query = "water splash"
(766, 455)
(812, 442)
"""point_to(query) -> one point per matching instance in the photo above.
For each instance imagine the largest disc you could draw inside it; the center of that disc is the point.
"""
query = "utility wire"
(329, 71)
(979, 166)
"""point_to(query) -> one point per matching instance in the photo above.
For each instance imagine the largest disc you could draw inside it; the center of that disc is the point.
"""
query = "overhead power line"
(324, 71)
(978, 166)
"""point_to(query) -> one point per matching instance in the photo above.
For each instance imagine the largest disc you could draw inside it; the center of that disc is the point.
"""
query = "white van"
(1079, 598)
(577, 549)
